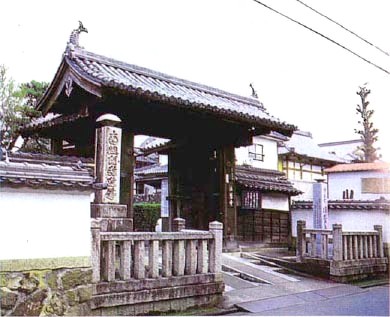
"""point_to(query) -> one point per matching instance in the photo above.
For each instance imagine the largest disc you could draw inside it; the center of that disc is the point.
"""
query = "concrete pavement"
(246, 281)
(369, 302)
(266, 290)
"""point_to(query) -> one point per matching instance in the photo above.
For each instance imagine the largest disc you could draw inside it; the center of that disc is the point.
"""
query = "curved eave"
(290, 191)
(66, 72)
(307, 158)
(256, 122)
(16, 182)
(69, 73)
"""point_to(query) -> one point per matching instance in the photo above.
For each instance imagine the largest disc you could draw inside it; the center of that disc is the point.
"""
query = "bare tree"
(367, 132)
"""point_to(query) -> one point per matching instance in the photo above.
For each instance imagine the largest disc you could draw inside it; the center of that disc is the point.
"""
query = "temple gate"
(204, 125)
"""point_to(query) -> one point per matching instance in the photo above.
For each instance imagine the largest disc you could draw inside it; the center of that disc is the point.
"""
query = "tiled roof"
(152, 142)
(50, 120)
(375, 166)
(101, 73)
(49, 159)
(302, 144)
(152, 170)
(380, 204)
(265, 180)
(45, 172)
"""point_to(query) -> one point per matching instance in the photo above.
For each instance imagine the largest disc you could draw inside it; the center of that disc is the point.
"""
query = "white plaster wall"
(163, 159)
(343, 149)
(338, 182)
(306, 187)
(270, 151)
(275, 201)
(44, 224)
(350, 219)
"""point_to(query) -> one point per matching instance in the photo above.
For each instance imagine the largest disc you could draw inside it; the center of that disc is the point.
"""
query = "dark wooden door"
(265, 226)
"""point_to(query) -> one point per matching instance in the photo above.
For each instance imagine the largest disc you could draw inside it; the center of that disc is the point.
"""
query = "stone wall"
(150, 296)
(45, 290)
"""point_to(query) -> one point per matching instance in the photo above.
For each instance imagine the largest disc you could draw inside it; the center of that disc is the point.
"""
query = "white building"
(303, 161)
(359, 181)
(359, 198)
(263, 192)
(348, 150)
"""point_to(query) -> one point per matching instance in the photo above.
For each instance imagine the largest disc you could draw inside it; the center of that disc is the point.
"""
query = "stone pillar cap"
(108, 119)
(215, 225)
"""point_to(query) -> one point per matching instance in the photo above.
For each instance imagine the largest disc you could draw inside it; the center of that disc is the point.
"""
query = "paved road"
(371, 302)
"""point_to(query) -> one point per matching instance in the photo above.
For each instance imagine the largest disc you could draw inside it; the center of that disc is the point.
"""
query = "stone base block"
(352, 270)
(108, 211)
(166, 294)
(134, 285)
(171, 299)
(161, 307)
(116, 224)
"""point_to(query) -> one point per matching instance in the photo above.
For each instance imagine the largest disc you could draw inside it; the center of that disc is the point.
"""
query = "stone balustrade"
(139, 255)
(168, 270)
(348, 252)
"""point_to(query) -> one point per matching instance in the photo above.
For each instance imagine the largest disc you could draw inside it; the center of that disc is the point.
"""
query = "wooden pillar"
(127, 172)
(227, 203)
(56, 146)
(172, 187)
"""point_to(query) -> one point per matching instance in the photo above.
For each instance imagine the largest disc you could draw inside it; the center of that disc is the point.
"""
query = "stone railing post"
(379, 229)
(337, 242)
(301, 240)
(96, 250)
(179, 224)
(215, 254)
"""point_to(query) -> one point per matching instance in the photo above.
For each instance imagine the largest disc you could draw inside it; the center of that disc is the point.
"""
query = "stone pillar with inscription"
(320, 210)
(106, 204)
(320, 205)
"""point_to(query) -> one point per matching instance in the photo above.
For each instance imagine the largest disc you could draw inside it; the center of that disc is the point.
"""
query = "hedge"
(146, 216)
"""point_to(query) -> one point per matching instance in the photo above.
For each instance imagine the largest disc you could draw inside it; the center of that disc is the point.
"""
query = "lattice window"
(256, 152)
(250, 199)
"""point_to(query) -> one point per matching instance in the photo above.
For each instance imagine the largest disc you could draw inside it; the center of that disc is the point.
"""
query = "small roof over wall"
(253, 178)
(355, 167)
(156, 171)
(46, 171)
(379, 204)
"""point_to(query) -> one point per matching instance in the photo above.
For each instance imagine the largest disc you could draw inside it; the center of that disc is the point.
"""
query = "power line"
(324, 36)
(343, 27)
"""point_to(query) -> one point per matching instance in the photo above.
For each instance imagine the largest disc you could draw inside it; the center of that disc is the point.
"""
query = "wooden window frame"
(256, 152)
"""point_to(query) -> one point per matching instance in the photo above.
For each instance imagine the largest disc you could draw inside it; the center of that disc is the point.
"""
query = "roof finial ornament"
(74, 36)
(254, 92)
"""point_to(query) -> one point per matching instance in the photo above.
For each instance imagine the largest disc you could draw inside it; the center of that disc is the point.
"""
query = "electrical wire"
(324, 36)
(343, 27)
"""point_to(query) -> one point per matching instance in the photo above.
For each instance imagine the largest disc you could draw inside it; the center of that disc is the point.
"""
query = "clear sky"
(300, 77)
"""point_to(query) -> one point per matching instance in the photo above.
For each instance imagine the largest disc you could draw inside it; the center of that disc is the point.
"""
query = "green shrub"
(146, 216)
